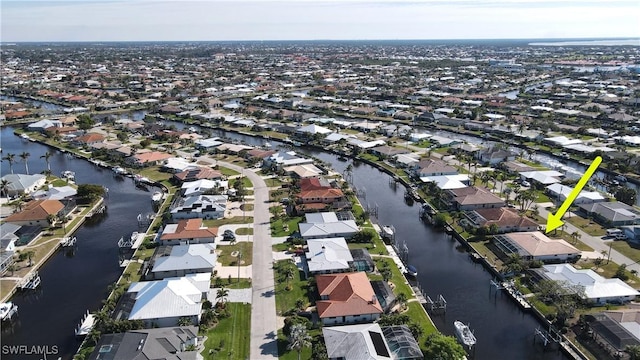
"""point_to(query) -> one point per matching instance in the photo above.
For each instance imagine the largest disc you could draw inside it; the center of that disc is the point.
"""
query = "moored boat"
(156, 197)
(464, 334)
(412, 271)
(8, 310)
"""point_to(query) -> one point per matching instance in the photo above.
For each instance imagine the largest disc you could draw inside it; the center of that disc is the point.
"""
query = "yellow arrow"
(555, 221)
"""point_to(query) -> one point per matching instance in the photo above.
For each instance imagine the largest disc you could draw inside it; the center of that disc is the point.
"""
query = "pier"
(30, 282)
(68, 241)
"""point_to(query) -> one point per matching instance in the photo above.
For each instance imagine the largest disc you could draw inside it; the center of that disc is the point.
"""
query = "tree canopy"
(442, 347)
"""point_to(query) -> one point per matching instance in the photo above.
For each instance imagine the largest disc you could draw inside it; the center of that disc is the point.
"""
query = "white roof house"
(563, 140)
(544, 177)
(562, 191)
(314, 129)
(177, 164)
(289, 158)
(55, 193)
(596, 288)
(208, 143)
(23, 184)
(329, 255)
(199, 187)
(185, 259)
(446, 182)
(200, 206)
(321, 217)
(163, 302)
(346, 228)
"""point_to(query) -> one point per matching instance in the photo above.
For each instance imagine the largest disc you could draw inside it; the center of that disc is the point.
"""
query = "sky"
(210, 20)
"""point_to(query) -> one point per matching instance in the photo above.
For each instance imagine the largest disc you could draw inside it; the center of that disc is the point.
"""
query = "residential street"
(263, 302)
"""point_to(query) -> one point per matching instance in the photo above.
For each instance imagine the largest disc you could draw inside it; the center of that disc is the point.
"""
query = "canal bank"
(78, 280)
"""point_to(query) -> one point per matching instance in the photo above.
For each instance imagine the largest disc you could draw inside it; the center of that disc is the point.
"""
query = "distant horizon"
(308, 20)
(559, 39)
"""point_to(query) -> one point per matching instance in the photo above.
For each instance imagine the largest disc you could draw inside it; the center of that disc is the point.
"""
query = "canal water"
(72, 282)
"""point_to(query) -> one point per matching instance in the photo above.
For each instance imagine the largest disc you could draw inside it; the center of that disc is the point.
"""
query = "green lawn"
(284, 354)
(234, 284)
(244, 231)
(587, 225)
(229, 339)
(273, 182)
(227, 172)
(278, 229)
(286, 299)
(607, 269)
(626, 249)
(225, 221)
(154, 173)
(417, 314)
(226, 259)
(541, 197)
(560, 234)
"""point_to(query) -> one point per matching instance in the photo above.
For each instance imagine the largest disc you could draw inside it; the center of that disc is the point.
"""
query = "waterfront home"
(303, 171)
(280, 160)
(615, 330)
(197, 173)
(542, 177)
(150, 158)
(180, 260)
(42, 125)
(88, 139)
(612, 214)
(356, 342)
(385, 152)
(406, 160)
(233, 149)
(163, 303)
(346, 298)
(168, 343)
(472, 198)
(535, 245)
(448, 182)
(201, 187)
(37, 213)
(432, 167)
(189, 231)
(201, 206)
(21, 184)
(560, 192)
(328, 255)
(55, 193)
(493, 156)
(504, 219)
(322, 196)
(326, 225)
(593, 288)
(208, 144)
(177, 165)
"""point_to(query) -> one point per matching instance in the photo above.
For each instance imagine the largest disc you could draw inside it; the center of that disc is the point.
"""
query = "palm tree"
(402, 300)
(298, 338)
(30, 255)
(46, 157)
(221, 295)
(289, 272)
(11, 158)
(575, 236)
(25, 156)
(633, 351)
(4, 187)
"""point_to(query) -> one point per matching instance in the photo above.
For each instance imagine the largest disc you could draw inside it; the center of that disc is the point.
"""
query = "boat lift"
(30, 282)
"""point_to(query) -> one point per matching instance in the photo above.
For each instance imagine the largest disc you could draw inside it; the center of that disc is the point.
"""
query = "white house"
(180, 260)
(597, 289)
(329, 255)
(19, 184)
(561, 192)
(162, 303)
(201, 206)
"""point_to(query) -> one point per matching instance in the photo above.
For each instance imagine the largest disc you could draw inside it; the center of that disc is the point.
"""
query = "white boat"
(120, 171)
(25, 136)
(69, 175)
(464, 334)
(7, 310)
(156, 197)
(267, 145)
(412, 271)
(387, 232)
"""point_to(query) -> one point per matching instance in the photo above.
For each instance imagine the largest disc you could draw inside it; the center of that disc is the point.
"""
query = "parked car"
(526, 183)
(228, 235)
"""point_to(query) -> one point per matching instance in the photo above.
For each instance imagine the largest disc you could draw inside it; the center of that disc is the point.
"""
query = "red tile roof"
(190, 229)
(37, 210)
(349, 294)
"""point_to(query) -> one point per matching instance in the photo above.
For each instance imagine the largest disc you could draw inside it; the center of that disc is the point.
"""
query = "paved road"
(264, 327)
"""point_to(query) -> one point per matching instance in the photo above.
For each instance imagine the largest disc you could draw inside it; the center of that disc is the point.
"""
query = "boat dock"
(68, 241)
(30, 282)
(511, 289)
(85, 326)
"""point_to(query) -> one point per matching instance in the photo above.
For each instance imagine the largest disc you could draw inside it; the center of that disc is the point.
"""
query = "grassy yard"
(560, 234)
(278, 226)
(217, 282)
(286, 299)
(154, 173)
(244, 231)
(227, 172)
(285, 354)
(417, 313)
(483, 248)
(273, 182)
(626, 249)
(587, 225)
(226, 259)
(541, 197)
(225, 221)
(401, 285)
(229, 339)
(607, 270)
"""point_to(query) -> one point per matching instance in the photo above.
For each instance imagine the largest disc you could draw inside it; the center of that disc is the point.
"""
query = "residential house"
(561, 192)
(88, 139)
(328, 255)
(163, 303)
(180, 260)
(612, 214)
(346, 298)
(472, 198)
(326, 225)
(177, 165)
(615, 330)
(202, 187)
(37, 213)
(55, 193)
(536, 246)
(168, 343)
(198, 173)
(21, 184)
(356, 342)
(432, 167)
(190, 231)
(280, 160)
(594, 288)
(504, 219)
(493, 156)
(543, 178)
(304, 171)
(385, 151)
(42, 125)
(150, 158)
(201, 206)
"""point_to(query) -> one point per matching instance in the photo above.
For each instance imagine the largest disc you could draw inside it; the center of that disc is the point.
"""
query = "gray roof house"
(164, 343)
(612, 213)
(23, 184)
(356, 342)
(202, 206)
(328, 255)
(179, 260)
(346, 229)
(55, 193)
(161, 303)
